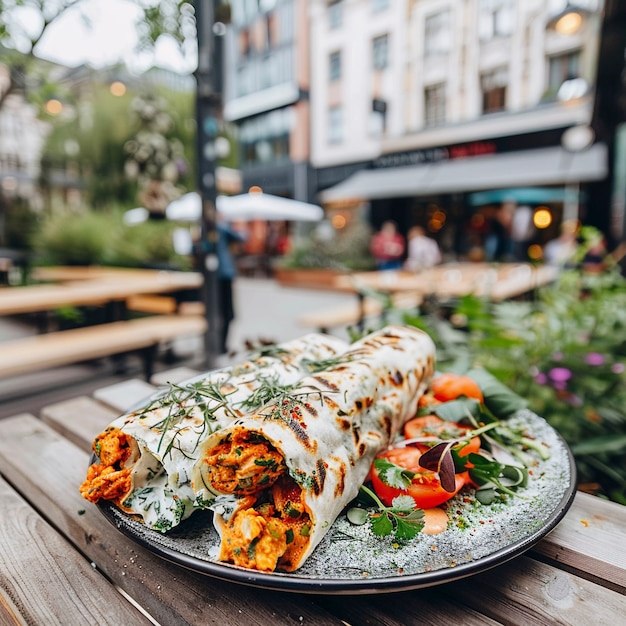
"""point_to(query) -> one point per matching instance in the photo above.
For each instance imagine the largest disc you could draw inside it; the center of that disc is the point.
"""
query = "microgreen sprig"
(402, 519)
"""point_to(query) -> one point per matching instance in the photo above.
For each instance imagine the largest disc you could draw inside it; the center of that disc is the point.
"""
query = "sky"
(110, 38)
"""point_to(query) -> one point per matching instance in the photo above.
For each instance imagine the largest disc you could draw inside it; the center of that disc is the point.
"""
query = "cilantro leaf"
(393, 475)
(382, 525)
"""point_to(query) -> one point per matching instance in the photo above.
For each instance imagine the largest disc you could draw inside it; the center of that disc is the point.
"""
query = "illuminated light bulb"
(542, 217)
(53, 106)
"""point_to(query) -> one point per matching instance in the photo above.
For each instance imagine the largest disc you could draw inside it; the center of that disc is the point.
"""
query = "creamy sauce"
(435, 521)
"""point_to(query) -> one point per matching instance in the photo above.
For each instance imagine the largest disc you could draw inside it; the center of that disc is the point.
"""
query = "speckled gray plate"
(350, 560)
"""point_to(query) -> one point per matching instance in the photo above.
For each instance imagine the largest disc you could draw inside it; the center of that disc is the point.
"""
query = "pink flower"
(557, 356)
(541, 378)
(594, 358)
(560, 374)
(618, 368)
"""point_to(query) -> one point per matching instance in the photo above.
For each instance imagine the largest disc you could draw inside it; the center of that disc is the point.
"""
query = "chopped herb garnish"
(403, 519)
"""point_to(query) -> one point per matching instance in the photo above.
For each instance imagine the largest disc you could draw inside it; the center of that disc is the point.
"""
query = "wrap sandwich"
(276, 479)
(144, 458)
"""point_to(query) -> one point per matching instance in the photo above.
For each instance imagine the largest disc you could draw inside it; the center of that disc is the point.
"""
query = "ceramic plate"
(350, 560)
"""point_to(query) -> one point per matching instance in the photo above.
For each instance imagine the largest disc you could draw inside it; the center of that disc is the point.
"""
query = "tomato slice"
(434, 426)
(425, 487)
(450, 386)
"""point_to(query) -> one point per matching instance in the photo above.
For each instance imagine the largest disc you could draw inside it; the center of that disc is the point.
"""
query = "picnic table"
(84, 286)
(64, 563)
(495, 281)
(115, 290)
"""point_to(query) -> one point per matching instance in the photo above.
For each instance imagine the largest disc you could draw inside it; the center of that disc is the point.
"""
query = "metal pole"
(208, 117)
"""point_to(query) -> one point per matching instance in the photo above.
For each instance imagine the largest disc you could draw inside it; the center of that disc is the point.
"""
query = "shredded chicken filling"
(271, 527)
(243, 465)
(108, 479)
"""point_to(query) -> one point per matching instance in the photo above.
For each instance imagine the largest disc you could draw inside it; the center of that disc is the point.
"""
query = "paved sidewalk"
(264, 310)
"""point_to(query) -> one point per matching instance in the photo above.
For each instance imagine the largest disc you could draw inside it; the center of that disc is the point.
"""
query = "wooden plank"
(524, 591)
(81, 344)
(423, 607)
(586, 541)
(123, 396)
(79, 419)
(44, 581)
(48, 471)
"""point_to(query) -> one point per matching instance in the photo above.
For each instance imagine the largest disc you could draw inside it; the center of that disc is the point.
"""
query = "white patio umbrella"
(247, 206)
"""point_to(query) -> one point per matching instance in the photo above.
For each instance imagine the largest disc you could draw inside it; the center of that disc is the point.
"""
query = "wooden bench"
(142, 335)
(354, 313)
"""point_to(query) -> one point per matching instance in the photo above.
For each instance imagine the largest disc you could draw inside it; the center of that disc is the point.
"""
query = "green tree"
(173, 18)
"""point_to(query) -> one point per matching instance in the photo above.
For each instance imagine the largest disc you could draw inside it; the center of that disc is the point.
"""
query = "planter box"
(307, 278)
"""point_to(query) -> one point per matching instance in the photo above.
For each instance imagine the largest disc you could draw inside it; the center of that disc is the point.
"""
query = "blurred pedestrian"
(560, 252)
(387, 247)
(423, 252)
(499, 243)
(227, 239)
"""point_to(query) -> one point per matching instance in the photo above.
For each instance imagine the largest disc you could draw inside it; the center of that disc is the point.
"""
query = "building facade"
(267, 94)
(433, 111)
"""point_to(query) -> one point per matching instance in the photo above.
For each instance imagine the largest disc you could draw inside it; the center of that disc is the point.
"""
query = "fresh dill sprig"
(319, 365)
(269, 390)
(205, 396)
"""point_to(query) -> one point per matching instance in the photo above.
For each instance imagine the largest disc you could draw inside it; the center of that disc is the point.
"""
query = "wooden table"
(63, 563)
(92, 286)
(494, 281)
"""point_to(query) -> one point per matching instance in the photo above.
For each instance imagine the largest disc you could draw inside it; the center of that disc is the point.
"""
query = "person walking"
(387, 247)
(226, 273)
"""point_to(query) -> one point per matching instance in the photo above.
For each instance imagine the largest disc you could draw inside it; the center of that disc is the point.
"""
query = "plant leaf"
(382, 525)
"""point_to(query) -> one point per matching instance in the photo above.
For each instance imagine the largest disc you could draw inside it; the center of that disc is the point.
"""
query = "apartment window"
(335, 13)
(563, 67)
(438, 33)
(335, 125)
(493, 87)
(495, 19)
(379, 5)
(334, 66)
(435, 105)
(380, 52)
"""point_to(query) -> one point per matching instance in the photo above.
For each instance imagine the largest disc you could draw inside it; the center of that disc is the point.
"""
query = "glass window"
(335, 124)
(493, 87)
(379, 5)
(335, 13)
(563, 67)
(438, 33)
(380, 52)
(435, 105)
(495, 18)
(334, 66)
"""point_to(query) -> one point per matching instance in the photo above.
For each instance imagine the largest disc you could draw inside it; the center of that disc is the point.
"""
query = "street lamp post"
(208, 116)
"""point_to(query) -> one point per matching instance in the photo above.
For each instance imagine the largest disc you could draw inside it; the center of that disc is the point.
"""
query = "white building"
(418, 105)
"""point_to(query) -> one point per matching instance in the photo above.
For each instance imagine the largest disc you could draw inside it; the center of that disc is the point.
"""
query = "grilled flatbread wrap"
(145, 457)
(277, 479)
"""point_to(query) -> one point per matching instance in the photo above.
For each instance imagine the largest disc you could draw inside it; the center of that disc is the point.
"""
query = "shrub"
(102, 238)
(565, 352)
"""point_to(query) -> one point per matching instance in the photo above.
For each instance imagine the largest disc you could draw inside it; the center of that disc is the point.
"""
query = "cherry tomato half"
(434, 426)
(451, 386)
(425, 488)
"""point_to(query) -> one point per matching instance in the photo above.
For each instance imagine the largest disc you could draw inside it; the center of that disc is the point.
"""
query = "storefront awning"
(524, 195)
(542, 166)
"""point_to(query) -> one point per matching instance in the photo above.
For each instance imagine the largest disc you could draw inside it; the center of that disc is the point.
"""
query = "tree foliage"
(172, 18)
